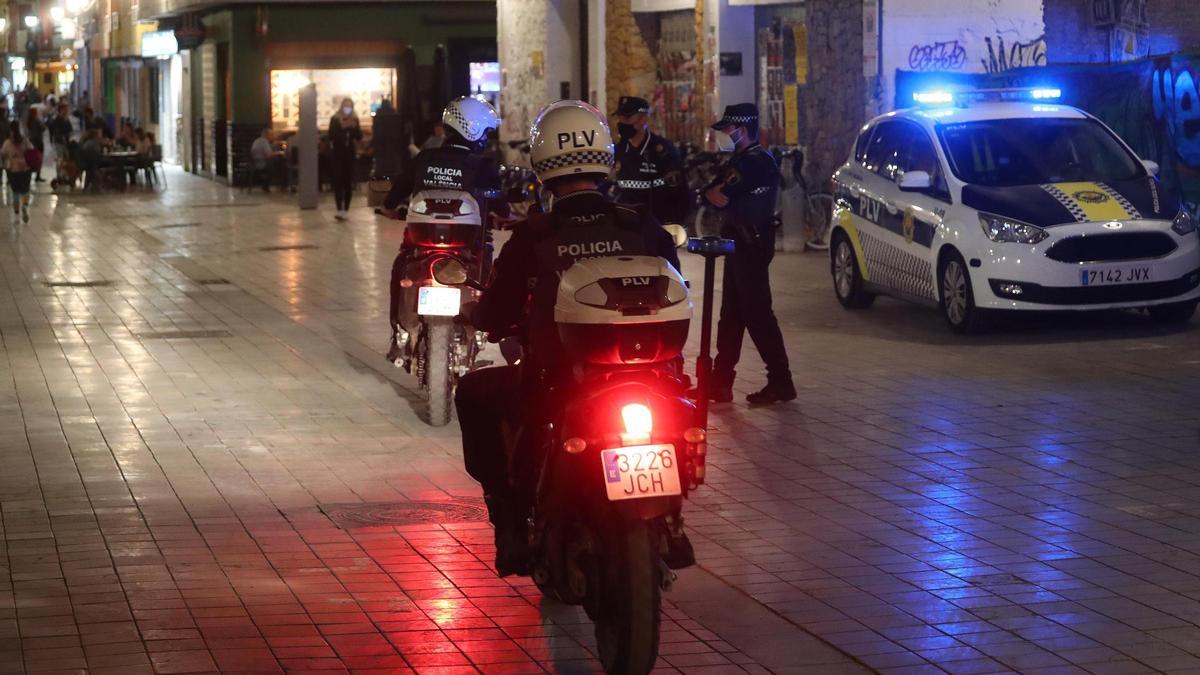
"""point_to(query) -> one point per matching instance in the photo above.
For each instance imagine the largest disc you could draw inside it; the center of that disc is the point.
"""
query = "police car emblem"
(909, 225)
(1090, 196)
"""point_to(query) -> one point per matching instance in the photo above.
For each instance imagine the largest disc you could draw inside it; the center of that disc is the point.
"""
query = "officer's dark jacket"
(652, 175)
(750, 178)
(580, 225)
(455, 167)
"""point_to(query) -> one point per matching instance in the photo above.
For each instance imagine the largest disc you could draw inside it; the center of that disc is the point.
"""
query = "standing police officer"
(647, 169)
(745, 191)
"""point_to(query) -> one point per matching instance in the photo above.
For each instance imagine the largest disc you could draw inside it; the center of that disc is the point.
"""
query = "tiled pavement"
(1027, 501)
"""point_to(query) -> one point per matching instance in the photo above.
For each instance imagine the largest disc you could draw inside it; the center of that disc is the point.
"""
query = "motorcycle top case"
(444, 219)
(622, 310)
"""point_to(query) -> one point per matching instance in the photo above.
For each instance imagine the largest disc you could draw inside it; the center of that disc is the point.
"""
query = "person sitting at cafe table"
(268, 161)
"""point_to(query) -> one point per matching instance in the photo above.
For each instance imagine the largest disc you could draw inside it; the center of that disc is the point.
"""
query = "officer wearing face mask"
(745, 192)
(647, 169)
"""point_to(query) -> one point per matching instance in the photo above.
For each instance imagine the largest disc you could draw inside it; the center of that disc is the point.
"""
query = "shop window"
(367, 87)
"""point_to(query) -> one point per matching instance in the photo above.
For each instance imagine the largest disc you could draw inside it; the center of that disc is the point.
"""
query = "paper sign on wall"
(791, 115)
(800, 37)
(870, 37)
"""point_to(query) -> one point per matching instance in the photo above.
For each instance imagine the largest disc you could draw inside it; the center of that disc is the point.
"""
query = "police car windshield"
(1031, 151)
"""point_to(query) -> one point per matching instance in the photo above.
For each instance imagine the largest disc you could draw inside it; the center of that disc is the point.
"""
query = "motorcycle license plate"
(640, 471)
(438, 300)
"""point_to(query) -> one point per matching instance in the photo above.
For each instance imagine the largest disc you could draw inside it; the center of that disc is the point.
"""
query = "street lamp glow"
(3, 24)
(56, 14)
(31, 21)
(75, 6)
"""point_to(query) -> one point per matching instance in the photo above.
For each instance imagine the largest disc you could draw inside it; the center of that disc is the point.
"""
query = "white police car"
(1006, 200)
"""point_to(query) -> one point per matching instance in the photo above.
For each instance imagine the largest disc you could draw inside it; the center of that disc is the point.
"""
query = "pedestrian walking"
(744, 192)
(17, 154)
(36, 132)
(344, 135)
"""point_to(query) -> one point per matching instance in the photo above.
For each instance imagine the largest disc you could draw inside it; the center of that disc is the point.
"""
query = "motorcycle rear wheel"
(627, 625)
(439, 383)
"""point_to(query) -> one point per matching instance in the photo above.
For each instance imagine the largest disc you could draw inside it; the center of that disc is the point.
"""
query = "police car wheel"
(847, 279)
(1177, 312)
(956, 295)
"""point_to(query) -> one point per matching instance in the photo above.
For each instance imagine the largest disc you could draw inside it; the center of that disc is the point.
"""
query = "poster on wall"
(800, 44)
(870, 38)
(791, 115)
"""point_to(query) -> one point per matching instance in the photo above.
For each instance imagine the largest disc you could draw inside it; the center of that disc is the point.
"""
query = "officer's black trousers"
(746, 308)
(485, 399)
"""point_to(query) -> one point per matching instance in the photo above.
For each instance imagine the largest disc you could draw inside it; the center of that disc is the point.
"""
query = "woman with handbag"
(19, 157)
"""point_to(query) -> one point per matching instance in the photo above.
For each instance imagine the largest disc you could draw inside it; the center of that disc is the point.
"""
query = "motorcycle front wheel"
(439, 383)
(627, 623)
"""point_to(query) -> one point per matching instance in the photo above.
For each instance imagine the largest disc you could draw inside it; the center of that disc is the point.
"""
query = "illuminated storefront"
(367, 87)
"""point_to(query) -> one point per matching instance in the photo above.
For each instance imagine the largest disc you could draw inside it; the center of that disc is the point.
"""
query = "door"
(899, 227)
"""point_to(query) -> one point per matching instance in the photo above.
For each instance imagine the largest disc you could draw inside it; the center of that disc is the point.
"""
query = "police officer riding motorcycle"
(586, 447)
(453, 190)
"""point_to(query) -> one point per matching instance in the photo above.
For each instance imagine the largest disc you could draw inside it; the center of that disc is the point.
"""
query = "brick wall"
(836, 108)
(631, 68)
(1073, 37)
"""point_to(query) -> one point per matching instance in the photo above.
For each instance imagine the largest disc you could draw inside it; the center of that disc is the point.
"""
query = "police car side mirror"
(1151, 166)
(915, 181)
(677, 233)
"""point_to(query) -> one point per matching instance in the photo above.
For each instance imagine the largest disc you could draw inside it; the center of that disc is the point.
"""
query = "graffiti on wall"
(948, 55)
(1017, 54)
(1175, 100)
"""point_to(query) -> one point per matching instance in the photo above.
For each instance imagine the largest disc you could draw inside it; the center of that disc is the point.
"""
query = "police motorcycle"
(451, 253)
(617, 446)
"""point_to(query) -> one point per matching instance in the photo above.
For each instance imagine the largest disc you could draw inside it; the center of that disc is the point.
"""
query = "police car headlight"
(1009, 231)
(1184, 223)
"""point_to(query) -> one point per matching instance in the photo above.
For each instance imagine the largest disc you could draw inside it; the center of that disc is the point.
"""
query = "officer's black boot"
(779, 389)
(720, 388)
(512, 546)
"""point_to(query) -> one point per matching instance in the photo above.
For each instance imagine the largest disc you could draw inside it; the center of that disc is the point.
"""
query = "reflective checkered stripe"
(1119, 198)
(897, 269)
(576, 158)
(459, 122)
(740, 119)
(1067, 201)
(629, 184)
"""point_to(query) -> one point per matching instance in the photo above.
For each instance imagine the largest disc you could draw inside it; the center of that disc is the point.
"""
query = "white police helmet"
(570, 137)
(470, 117)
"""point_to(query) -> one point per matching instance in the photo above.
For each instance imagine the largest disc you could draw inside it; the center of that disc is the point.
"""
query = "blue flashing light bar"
(942, 97)
(936, 97)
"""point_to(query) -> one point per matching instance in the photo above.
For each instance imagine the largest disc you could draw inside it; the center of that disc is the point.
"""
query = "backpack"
(33, 158)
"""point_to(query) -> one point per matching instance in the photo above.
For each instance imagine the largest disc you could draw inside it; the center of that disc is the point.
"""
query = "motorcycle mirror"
(678, 234)
(449, 271)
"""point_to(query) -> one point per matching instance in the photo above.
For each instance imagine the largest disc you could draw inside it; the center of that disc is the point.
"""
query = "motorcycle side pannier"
(623, 310)
(443, 218)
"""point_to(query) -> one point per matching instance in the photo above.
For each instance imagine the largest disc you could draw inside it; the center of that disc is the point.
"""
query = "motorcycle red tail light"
(638, 420)
(574, 446)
